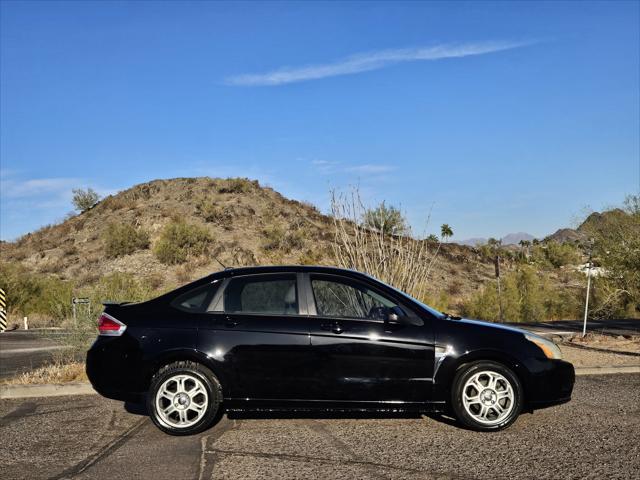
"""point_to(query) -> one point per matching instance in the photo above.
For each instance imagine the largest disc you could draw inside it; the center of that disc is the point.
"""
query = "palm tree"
(525, 247)
(446, 231)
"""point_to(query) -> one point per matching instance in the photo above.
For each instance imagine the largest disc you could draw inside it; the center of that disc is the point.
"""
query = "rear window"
(198, 299)
(272, 294)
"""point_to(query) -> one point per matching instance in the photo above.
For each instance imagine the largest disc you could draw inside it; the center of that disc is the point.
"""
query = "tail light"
(109, 326)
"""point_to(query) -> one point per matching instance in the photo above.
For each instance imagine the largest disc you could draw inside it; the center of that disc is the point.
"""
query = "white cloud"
(365, 62)
(369, 168)
(37, 187)
(326, 167)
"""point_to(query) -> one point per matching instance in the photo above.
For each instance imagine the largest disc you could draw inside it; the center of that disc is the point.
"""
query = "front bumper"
(551, 385)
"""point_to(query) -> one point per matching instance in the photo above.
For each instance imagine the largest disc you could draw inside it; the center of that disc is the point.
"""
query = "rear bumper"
(110, 373)
(552, 385)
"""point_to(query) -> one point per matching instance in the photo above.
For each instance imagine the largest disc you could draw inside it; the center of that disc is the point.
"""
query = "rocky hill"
(581, 234)
(243, 222)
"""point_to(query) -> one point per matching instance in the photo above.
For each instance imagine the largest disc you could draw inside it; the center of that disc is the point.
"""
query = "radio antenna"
(216, 259)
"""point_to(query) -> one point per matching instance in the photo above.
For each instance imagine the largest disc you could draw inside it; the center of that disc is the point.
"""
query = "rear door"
(261, 334)
(361, 357)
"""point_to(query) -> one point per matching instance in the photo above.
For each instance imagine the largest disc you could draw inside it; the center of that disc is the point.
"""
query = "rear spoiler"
(109, 303)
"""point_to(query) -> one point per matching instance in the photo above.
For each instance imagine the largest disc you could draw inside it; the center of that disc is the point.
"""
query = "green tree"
(83, 200)
(446, 231)
(386, 219)
(616, 248)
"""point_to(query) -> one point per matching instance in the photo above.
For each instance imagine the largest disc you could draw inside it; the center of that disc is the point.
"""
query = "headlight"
(550, 349)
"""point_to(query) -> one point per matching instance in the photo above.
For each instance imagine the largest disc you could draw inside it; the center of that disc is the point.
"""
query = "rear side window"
(273, 294)
(198, 299)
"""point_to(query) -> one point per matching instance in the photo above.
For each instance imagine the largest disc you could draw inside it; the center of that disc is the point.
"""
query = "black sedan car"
(304, 338)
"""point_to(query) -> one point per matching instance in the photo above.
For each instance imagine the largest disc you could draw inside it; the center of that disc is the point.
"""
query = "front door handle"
(334, 327)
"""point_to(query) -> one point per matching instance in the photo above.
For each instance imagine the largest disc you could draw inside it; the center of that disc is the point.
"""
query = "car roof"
(288, 268)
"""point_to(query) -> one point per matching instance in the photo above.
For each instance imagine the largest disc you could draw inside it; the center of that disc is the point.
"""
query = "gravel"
(596, 435)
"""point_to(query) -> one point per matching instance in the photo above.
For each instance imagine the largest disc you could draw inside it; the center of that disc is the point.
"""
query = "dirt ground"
(618, 343)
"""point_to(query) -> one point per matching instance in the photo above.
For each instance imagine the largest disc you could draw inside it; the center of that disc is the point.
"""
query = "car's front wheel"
(486, 395)
(184, 398)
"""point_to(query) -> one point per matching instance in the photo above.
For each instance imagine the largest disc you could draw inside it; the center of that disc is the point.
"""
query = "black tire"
(466, 373)
(211, 384)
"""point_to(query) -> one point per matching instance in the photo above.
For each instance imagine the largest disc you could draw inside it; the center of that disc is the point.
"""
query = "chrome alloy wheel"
(181, 401)
(488, 397)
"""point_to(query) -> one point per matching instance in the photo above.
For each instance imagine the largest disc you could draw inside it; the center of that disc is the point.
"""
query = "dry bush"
(180, 240)
(237, 185)
(276, 238)
(210, 212)
(183, 273)
(399, 260)
(54, 373)
(123, 239)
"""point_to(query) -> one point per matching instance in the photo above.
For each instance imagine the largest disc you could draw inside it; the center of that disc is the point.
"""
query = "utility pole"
(497, 264)
(586, 302)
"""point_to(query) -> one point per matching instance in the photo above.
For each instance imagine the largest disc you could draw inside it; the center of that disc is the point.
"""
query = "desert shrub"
(237, 185)
(69, 250)
(555, 254)
(276, 238)
(440, 302)
(83, 200)
(123, 239)
(180, 240)
(525, 297)
(29, 293)
(118, 202)
(210, 212)
(183, 273)
(117, 287)
(311, 256)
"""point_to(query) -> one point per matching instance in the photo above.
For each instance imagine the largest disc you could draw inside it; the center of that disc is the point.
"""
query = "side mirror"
(393, 318)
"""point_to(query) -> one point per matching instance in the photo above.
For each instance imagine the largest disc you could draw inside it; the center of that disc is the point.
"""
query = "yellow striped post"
(3, 311)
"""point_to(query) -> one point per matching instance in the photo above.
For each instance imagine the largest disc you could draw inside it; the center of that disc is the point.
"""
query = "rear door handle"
(334, 327)
(230, 322)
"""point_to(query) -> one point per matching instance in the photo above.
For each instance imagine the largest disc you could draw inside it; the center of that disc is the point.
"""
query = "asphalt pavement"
(23, 350)
(623, 326)
(596, 435)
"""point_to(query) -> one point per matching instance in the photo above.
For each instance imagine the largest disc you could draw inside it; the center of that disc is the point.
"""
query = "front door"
(360, 356)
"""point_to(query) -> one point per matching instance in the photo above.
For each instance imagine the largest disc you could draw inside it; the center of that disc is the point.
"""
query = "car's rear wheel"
(486, 396)
(184, 398)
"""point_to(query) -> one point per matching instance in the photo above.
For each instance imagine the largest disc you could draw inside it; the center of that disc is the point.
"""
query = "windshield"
(429, 309)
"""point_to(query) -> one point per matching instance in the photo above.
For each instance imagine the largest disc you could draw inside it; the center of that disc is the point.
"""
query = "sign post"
(3, 311)
(78, 301)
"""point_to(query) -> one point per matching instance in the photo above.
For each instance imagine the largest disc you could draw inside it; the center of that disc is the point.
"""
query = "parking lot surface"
(597, 435)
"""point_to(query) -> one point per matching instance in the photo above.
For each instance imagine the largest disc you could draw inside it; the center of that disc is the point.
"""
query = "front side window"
(273, 294)
(349, 300)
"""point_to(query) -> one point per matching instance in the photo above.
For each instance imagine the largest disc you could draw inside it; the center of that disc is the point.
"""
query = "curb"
(607, 370)
(57, 390)
(46, 390)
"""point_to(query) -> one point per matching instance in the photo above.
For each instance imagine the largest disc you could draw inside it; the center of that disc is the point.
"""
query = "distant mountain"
(509, 239)
(473, 242)
(516, 238)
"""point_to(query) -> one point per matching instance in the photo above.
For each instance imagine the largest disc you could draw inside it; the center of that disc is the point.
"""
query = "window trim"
(313, 311)
(218, 303)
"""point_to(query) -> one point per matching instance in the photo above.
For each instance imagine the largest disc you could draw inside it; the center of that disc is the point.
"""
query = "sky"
(491, 117)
